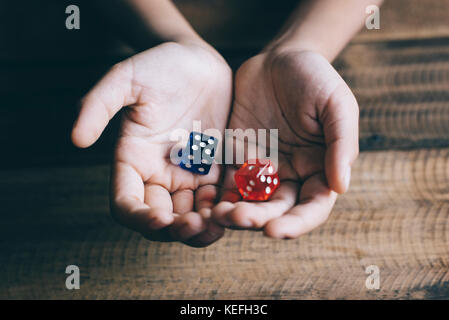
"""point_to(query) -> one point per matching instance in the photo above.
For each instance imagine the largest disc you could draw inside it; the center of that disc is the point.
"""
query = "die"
(257, 180)
(198, 155)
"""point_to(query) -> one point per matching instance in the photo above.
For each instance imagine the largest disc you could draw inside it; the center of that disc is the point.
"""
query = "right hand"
(302, 95)
(165, 88)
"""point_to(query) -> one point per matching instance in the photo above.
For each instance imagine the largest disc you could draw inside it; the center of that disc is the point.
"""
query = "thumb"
(102, 102)
(341, 131)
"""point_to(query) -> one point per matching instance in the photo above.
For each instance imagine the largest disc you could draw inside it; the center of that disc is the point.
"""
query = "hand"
(165, 88)
(301, 95)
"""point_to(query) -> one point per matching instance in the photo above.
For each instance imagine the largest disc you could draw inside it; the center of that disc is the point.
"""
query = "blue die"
(199, 153)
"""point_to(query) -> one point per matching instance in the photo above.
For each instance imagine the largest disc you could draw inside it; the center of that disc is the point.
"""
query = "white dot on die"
(245, 194)
(202, 144)
(195, 147)
(249, 188)
(207, 151)
(250, 167)
(190, 157)
(267, 190)
(197, 137)
(204, 161)
(270, 169)
(251, 182)
(268, 179)
(210, 141)
(187, 165)
(262, 178)
(275, 181)
(201, 169)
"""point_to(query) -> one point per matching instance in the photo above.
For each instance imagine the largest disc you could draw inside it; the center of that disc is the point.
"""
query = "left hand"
(165, 88)
(300, 94)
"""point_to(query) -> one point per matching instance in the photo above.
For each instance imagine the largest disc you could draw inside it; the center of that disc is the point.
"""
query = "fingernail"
(347, 178)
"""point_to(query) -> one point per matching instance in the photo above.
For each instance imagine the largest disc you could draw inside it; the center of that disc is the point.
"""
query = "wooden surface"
(395, 217)
(54, 198)
(403, 91)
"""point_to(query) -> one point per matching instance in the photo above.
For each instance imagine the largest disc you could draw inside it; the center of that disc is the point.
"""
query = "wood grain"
(402, 90)
(395, 216)
(409, 19)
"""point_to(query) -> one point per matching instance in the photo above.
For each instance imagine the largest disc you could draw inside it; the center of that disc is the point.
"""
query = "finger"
(315, 204)
(130, 205)
(229, 192)
(205, 197)
(108, 96)
(196, 229)
(187, 225)
(182, 201)
(193, 229)
(255, 215)
(340, 124)
(212, 233)
(159, 200)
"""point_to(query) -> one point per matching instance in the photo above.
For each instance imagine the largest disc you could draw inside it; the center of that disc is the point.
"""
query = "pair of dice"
(256, 179)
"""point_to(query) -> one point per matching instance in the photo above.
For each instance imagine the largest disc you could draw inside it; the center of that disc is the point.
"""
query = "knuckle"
(237, 217)
(272, 230)
(257, 221)
(240, 217)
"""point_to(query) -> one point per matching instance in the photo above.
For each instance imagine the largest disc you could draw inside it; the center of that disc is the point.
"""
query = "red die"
(257, 179)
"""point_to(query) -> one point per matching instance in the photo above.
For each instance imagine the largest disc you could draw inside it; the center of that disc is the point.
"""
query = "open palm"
(301, 95)
(165, 88)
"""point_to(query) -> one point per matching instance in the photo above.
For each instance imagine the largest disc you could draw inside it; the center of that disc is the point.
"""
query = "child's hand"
(166, 87)
(302, 95)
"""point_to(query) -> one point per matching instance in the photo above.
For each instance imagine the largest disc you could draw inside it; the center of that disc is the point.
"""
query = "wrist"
(198, 42)
(285, 46)
(194, 40)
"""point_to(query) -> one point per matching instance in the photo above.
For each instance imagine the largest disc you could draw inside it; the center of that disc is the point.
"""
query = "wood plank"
(409, 19)
(402, 90)
(395, 217)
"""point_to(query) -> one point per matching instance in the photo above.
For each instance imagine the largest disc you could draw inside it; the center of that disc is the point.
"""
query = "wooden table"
(395, 216)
